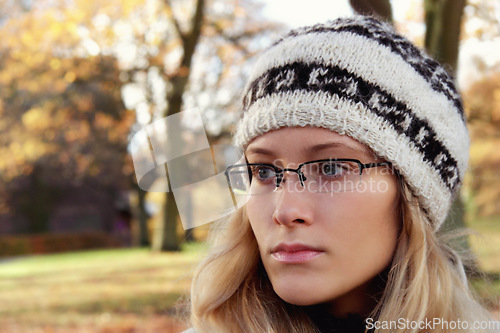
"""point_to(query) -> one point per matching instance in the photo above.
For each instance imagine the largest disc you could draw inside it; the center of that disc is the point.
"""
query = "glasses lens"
(239, 178)
(332, 176)
(252, 179)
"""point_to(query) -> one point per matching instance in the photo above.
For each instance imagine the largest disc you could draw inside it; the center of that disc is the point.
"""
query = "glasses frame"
(280, 172)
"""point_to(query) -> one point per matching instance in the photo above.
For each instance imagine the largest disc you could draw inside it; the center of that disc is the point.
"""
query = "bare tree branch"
(175, 21)
(237, 40)
(193, 36)
(165, 239)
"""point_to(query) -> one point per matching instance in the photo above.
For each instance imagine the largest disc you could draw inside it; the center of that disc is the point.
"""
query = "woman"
(355, 145)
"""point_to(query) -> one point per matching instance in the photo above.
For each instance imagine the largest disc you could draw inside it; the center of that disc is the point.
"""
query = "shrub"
(52, 243)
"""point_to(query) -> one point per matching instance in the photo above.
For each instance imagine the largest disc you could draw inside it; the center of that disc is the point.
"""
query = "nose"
(292, 207)
(283, 178)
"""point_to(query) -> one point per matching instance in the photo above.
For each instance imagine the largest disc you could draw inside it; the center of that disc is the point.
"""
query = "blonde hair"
(231, 291)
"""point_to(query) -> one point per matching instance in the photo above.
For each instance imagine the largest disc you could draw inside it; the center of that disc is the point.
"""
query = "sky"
(296, 13)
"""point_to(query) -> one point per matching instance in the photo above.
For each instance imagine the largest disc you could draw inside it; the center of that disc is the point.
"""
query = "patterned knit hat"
(359, 78)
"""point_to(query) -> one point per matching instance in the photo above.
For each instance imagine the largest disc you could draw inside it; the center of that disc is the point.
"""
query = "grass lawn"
(486, 246)
(135, 290)
(122, 290)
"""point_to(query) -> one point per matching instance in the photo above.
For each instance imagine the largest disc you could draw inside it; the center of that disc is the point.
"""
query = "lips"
(295, 253)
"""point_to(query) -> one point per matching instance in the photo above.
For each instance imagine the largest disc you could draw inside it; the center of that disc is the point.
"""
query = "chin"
(299, 295)
(300, 300)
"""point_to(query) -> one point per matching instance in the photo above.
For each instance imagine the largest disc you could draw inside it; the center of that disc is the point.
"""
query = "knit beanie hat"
(358, 77)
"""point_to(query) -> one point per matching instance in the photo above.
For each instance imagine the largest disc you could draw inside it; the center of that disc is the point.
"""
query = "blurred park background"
(82, 247)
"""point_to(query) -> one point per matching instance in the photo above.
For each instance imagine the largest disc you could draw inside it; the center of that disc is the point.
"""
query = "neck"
(361, 300)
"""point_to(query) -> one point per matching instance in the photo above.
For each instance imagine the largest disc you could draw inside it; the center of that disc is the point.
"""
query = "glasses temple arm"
(374, 165)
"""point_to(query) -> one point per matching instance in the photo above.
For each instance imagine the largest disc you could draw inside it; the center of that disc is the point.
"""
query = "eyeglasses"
(329, 175)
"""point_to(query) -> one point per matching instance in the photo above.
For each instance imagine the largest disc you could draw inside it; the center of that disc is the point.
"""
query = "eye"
(332, 169)
(263, 173)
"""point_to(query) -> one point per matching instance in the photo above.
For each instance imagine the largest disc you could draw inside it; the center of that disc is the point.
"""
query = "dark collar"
(327, 323)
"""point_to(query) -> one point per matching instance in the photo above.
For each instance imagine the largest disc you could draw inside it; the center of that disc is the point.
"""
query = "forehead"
(304, 140)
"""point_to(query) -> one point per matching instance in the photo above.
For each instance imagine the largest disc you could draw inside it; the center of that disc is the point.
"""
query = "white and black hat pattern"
(357, 77)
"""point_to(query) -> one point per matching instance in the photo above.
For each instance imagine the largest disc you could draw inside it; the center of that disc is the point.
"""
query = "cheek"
(366, 226)
(259, 213)
(373, 203)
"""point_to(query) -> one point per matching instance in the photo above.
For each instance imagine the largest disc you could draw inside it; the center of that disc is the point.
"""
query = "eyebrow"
(260, 151)
(310, 149)
(323, 146)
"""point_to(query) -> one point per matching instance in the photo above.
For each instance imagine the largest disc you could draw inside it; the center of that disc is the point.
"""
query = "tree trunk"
(142, 218)
(165, 238)
(37, 204)
(443, 22)
(165, 235)
(381, 9)
(189, 237)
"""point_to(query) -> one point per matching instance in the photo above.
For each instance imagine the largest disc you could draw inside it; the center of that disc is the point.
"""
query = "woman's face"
(323, 247)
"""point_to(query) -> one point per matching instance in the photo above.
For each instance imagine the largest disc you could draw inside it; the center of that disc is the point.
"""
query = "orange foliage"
(482, 103)
(61, 110)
